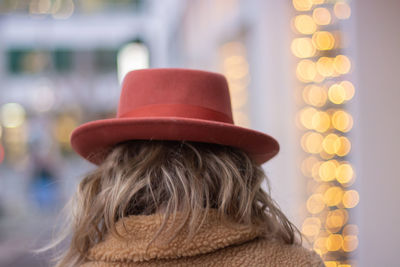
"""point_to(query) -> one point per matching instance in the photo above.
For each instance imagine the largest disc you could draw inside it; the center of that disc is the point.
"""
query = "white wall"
(377, 129)
(271, 103)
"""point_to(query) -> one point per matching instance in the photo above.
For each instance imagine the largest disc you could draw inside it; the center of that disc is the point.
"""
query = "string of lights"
(236, 69)
(323, 71)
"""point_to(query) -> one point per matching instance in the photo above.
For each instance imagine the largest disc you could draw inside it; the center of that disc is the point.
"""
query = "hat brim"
(93, 140)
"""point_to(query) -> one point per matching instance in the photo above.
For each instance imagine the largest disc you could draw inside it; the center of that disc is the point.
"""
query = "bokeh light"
(350, 243)
(334, 242)
(342, 121)
(344, 173)
(305, 24)
(327, 170)
(132, 56)
(330, 143)
(306, 116)
(342, 64)
(350, 199)
(342, 10)
(323, 40)
(315, 95)
(311, 226)
(312, 142)
(308, 164)
(337, 94)
(349, 89)
(43, 98)
(320, 121)
(325, 66)
(306, 70)
(303, 47)
(315, 203)
(302, 5)
(350, 229)
(236, 69)
(12, 115)
(320, 246)
(335, 220)
(333, 196)
(342, 146)
(321, 16)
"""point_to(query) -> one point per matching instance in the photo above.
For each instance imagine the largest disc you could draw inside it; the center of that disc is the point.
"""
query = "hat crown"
(175, 92)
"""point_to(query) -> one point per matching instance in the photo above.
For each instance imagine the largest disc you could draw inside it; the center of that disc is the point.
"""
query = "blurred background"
(319, 75)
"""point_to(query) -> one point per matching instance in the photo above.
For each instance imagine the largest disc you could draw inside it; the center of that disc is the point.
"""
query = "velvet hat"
(171, 104)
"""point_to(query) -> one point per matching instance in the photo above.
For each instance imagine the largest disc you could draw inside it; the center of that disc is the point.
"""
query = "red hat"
(171, 104)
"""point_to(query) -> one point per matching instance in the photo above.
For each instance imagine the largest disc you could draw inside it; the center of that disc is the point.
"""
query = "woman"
(177, 183)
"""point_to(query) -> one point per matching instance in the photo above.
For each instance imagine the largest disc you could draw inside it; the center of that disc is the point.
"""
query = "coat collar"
(138, 231)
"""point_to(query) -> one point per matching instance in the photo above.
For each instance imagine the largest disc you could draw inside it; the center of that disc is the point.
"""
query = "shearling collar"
(139, 230)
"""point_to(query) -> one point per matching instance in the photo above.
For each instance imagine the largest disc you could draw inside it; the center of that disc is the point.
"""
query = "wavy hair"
(146, 177)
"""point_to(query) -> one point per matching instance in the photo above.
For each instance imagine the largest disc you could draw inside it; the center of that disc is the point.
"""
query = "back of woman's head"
(167, 177)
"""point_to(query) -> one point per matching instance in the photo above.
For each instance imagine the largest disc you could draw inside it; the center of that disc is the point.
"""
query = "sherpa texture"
(214, 245)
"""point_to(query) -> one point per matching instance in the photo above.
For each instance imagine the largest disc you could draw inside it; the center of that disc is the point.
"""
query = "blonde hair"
(147, 177)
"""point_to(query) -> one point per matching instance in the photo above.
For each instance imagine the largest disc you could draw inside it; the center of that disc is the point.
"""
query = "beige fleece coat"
(213, 245)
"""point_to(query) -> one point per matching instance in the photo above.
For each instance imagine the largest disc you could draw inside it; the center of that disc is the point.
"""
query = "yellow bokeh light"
(342, 121)
(234, 60)
(351, 199)
(314, 95)
(307, 165)
(336, 219)
(327, 170)
(306, 70)
(330, 143)
(323, 40)
(350, 229)
(320, 246)
(303, 47)
(311, 142)
(321, 16)
(333, 196)
(342, 64)
(236, 72)
(306, 116)
(321, 121)
(325, 66)
(330, 263)
(315, 203)
(315, 171)
(342, 10)
(322, 187)
(337, 94)
(349, 89)
(350, 243)
(302, 5)
(305, 24)
(342, 146)
(344, 173)
(311, 226)
(233, 48)
(334, 242)
(12, 115)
